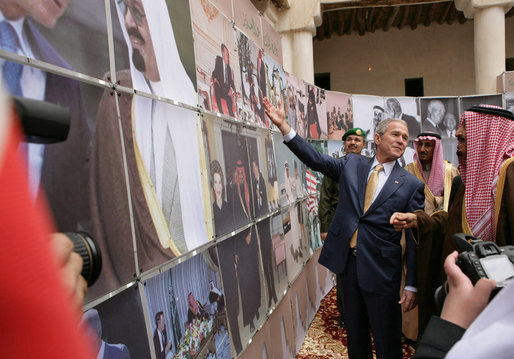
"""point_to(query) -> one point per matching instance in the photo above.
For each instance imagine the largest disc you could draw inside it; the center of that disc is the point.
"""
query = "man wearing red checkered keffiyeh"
(482, 206)
(489, 145)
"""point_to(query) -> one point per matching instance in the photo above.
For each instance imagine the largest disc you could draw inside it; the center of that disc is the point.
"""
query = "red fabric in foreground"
(36, 318)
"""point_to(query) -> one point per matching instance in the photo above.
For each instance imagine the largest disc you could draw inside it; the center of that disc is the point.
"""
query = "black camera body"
(479, 259)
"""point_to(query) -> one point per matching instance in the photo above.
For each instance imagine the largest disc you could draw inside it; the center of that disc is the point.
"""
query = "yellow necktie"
(371, 187)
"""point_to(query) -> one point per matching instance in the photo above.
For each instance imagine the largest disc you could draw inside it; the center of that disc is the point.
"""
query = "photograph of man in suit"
(59, 168)
(361, 245)
(160, 340)
(92, 326)
(435, 114)
(393, 109)
(223, 81)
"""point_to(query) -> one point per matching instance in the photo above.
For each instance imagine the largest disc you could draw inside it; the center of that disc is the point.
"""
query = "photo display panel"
(263, 169)
(290, 185)
(404, 108)
(72, 36)
(117, 326)
(437, 116)
(241, 273)
(253, 81)
(282, 329)
(470, 101)
(299, 302)
(157, 51)
(187, 307)
(166, 180)
(296, 104)
(260, 347)
(229, 174)
(273, 253)
(315, 113)
(276, 84)
(217, 63)
(339, 114)
(368, 112)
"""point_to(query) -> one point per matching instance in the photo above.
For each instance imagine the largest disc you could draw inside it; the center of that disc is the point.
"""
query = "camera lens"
(88, 249)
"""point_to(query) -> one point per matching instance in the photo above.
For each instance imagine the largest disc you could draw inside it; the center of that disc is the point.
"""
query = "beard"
(138, 60)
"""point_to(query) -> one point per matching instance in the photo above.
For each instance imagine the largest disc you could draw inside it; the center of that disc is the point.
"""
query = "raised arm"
(276, 115)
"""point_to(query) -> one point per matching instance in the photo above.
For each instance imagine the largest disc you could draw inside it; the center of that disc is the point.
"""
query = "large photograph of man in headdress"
(160, 141)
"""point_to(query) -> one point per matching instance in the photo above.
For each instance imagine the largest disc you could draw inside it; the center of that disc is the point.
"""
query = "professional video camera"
(479, 259)
(45, 123)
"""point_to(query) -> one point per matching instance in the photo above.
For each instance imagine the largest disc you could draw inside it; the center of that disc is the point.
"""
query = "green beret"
(355, 131)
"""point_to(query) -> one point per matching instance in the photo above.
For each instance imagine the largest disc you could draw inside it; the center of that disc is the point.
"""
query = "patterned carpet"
(326, 339)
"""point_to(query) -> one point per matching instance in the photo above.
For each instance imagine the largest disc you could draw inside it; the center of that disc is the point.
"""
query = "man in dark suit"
(361, 244)
(60, 168)
(160, 340)
(223, 80)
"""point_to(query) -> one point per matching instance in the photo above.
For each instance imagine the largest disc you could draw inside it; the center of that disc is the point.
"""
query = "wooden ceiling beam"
(391, 18)
(361, 24)
(405, 17)
(370, 15)
(452, 14)
(328, 34)
(430, 15)
(416, 19)
(340, 17)
(444, 14)
(376, 22)
(352, 21)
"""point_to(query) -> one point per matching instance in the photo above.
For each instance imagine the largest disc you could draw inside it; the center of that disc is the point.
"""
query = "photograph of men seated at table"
(190, 322)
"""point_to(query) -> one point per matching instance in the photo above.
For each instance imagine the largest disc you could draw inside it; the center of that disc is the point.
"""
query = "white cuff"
(290, 135)
(411, 289)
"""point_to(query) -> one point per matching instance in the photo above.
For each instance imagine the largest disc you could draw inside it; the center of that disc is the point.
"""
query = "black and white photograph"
(404, 108)
(368, 112)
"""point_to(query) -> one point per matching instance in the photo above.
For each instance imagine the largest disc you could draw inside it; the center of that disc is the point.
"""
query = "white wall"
(441, 54)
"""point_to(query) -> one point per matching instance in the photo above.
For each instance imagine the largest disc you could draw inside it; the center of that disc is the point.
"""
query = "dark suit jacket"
(116, 351)
(379, 259)
(157, 344)
(217, 74)
(64, 173)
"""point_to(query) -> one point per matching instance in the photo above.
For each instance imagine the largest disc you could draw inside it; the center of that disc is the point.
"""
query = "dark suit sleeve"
(417, 202)
(440, 336)
(325, 164)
